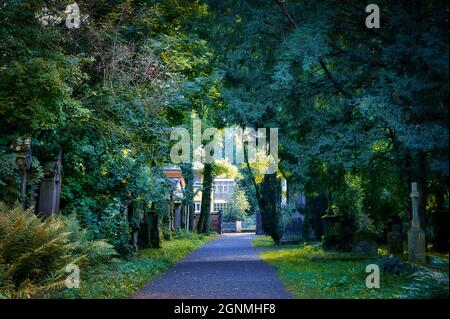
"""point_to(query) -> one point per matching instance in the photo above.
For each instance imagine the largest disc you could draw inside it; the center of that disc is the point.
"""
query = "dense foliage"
(34, 253)
(361, 113)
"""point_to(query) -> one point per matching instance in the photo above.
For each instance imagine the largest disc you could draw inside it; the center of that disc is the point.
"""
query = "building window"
(197, 206)
(197, 183)
(220, 206)
(222, 189)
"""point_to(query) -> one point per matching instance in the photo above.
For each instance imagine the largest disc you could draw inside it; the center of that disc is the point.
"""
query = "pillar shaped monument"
(50, 187)
(416, 236)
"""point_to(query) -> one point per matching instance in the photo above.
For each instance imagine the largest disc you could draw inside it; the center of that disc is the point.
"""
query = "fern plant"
(34, 251)
(93, 251)
(30, 248)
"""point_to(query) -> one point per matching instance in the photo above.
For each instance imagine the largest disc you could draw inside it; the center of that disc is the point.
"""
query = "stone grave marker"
(364, 242)
(416, 236)
(177, 217)
(395, 241)
(50, 187)
(292, 232)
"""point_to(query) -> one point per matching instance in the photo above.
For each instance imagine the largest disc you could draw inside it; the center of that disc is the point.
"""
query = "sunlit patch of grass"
(261, 241)
(308, 272)
(383, 251)
(121, 278)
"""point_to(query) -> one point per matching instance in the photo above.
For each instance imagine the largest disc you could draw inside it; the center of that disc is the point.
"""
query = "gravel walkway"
(227, 267)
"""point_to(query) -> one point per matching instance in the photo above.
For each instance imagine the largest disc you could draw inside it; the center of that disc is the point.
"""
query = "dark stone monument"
(50, 187)
(259, 224)
(416, 236)
(395, 241)
(177, 217)
(313, 223)
(183, 213)
(364, 242)
(22, 148)
(292, 232)
(136, 219)
(144, 232)
(150, 230)
(155, 229)
(167, 220)
(338, 232)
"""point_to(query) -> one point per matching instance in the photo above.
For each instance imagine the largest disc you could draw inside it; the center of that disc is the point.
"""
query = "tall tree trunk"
(269, 201)
(188, 175)
(270, 206)
(205, 210)
(252, 177)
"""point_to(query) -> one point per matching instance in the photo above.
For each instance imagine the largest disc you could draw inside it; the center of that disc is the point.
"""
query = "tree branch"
(337, 86)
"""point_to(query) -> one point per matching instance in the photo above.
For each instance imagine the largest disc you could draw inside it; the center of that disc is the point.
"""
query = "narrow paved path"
(227, 267)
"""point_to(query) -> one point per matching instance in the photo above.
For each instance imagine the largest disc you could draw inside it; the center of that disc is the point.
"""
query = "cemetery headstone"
(150, 231)
(177, 217)
(293, 230)
(364, 242)
(50, 187)
(313, 224)
(338, 232)
(416, 236)
(395, 241)
(22, 149)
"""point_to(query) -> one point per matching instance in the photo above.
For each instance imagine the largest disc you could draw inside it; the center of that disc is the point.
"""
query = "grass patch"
(308, 272)
(261, 241)
(122, 278)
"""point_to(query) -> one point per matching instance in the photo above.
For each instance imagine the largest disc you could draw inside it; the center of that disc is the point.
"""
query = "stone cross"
(415, 205)
(416, 236)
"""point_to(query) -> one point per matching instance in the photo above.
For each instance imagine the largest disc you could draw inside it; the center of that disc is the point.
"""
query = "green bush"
(95, 251)
(115, 229)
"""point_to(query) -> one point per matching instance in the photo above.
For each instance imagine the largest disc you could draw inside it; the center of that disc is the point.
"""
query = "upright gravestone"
(150, 234)
(154, 229)
(22, 148)
(292, 232)
(259, 227)
(338, 232)
(167, 220)
(416, 236)
(50, 187)
(177, 221)
(395, 241)
(364, 242)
